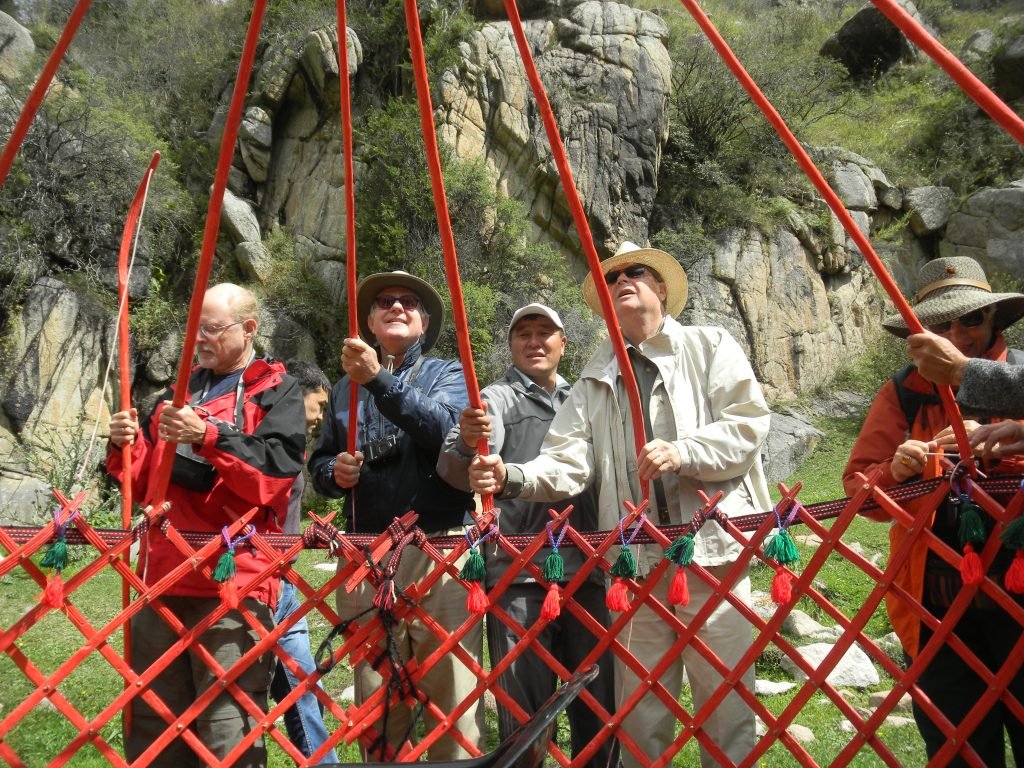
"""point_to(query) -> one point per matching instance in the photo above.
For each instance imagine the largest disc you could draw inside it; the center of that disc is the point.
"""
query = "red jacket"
(884, 430)
(256, 467)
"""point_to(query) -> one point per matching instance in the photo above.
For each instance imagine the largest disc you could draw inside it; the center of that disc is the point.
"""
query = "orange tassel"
(618, 596)
(970, 567)
(229, 594)
(679, 590)
(782, 586)
(552, 607)
(53, 595)
(476, 600)
(1014, 579)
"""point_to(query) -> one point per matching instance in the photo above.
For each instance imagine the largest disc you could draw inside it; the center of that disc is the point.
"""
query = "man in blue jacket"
(407, 404)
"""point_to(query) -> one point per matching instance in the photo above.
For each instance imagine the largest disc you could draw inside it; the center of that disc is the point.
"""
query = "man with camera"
(407, 404)
(240, 443)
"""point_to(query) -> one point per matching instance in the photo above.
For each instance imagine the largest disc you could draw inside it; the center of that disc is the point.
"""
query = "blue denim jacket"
(419, 416)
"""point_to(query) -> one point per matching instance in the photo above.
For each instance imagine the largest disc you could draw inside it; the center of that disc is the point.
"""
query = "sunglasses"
(408, 301)
(970, 320)
(633, 273)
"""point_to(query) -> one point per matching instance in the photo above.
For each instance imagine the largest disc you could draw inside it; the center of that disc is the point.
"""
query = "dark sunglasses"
(970, 320)
(633, 273)
(407, 300)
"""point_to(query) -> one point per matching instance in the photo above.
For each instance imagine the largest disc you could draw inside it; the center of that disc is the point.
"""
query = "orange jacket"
(884, 430)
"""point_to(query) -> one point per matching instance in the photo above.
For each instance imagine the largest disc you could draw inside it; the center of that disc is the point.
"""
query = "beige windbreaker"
(706, 388)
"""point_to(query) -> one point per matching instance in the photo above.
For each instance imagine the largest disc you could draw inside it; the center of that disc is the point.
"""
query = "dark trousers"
(530, 681)
(954, 688)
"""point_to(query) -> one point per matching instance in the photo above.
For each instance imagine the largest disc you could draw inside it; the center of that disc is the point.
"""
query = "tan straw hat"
(671, 273)
(952, 287)
(371, 285)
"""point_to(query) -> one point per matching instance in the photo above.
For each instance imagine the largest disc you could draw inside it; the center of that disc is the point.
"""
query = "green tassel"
(782, 549)
(554, 567)
(225, 570)
(680, 551)
(625, 565)
(972, 529)
(1013, 536)
(474, 569)
(56, 556)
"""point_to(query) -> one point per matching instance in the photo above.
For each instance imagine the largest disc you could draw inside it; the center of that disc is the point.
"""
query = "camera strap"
(414, 372)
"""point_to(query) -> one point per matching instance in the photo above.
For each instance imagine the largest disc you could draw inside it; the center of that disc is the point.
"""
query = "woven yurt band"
(952, 281)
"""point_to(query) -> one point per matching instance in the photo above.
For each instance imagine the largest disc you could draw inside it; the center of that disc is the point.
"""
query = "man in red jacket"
(240, 443)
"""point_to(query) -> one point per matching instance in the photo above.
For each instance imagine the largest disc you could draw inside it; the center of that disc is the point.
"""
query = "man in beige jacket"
(707, 420)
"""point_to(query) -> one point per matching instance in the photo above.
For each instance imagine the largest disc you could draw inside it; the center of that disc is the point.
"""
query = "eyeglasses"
(211, 332)
(633, 273)
(407, 300)
(970, 320)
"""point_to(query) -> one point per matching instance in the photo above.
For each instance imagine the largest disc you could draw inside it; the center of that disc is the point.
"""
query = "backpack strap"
(909, 400)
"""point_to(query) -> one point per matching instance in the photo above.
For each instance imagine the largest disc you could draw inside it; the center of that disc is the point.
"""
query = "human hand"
(908, 460)
(359, 360)
(181, 425)
(946, 440)
(487, 474)
(474, 425)
(996, 440)
(657, 458)
(346, 468)
(124, 426)
(936, 358)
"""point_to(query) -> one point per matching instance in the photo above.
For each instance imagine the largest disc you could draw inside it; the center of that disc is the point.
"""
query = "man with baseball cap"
(705, 421)
(520, 407)
(407, 404)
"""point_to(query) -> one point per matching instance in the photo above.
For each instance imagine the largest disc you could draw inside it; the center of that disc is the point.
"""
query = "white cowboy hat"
(668, 269)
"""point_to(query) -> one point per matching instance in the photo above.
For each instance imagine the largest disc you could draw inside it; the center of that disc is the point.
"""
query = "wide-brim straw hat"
(672, 275)
(952, 287)
(371, 285)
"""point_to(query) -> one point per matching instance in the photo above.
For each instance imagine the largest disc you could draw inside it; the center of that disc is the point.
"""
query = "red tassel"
(782, 586)
(552, 607)
(679, 590)
(618, 596)
(970, 567)
(229, 594)
(476, 600)
(1014, 579)
(53, 595)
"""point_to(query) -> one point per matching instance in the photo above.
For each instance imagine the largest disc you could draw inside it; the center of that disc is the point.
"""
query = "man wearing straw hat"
(240, 444)
(407, 404)
(705, 420)
(522, 403)
(905, 429)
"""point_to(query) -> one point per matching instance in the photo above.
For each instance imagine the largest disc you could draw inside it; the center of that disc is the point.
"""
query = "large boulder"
(868, 44)
(1008, 70)
(790, 440)
(930, 208)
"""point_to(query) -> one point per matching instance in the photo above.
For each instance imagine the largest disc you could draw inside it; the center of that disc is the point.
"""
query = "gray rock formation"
(790, 439)
(607, 74)
(50, 391)
(930, 208)
(854, 669)
(989, 227)
(16, 47)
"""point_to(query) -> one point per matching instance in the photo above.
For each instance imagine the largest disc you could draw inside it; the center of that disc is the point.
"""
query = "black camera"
(380, 450)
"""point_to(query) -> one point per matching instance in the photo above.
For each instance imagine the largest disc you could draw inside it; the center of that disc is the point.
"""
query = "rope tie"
(554, 572)
(384, 600)
(782, 550)
(56, 558)
(224, 573)
(475, 571)
(319, 534)
(624, 568)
